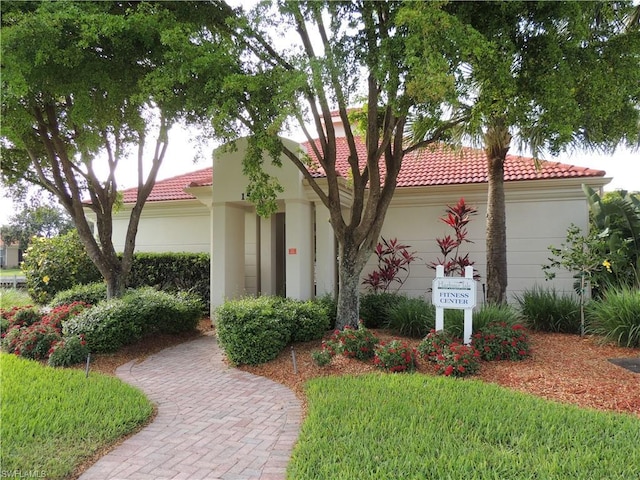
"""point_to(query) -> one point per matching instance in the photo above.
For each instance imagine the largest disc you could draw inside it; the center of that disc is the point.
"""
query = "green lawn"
(11, 272)
(53, 419)
(422, 427)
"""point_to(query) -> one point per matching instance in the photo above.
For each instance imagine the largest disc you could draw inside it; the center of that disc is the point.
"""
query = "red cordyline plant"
(393, 259)
(457, 217)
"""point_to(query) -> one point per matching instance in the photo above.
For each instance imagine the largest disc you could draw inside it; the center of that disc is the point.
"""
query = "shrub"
(616, 317)
(52, 265)
(374, 308)
(24, 316)
(68, 351)
(330, 306)
(322, 357)
(252, 330)
(457, 360)
(162, 312)
(60, 314)
(120, 321)
(547, 311)
(433, 344)
(172, 273)
(355, 343)
(91, 293)
(106, 327)
(310, 321)
(411, 317)
(393, 258)
(395, 356)
(32, 342)
(500, 341)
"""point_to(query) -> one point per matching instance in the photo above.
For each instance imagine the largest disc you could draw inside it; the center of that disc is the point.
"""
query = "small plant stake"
(86, 370)
(293, 359)
(456, 293)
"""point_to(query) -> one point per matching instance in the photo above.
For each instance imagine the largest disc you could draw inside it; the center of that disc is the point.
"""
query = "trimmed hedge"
(255, 330)
(173, 272)
(54, 265)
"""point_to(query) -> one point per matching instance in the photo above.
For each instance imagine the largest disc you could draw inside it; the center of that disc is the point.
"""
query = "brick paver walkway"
(213, 422)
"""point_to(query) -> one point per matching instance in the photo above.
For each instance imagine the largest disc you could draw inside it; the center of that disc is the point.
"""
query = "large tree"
(38, 218)
(554, 75)
(356, 60)
(92, 87)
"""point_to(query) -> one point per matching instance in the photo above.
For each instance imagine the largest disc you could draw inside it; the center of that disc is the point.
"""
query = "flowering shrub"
(501, 341)
(68, 351)
(395, 356)
(21, 316)
(32, 342)
(59, 314)
(434, 343)
(355, 343)
(323, 357)
(457, 360)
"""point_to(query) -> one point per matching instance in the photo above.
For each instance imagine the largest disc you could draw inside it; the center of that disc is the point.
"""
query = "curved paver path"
(213, 422)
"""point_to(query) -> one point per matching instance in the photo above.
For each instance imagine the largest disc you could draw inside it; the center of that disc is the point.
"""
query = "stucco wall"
(538, 215)
(182, 226)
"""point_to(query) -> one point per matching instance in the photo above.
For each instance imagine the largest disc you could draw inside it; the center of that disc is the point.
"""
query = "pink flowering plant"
(434, 343)
(59, 314)
(501, 341)
(32, 342)
(449, 355)
(457, 360)
(394, 356)
(355, 343)
(323, 357)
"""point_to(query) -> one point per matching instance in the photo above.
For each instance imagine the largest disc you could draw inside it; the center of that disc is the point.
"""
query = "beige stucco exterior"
(294, 251)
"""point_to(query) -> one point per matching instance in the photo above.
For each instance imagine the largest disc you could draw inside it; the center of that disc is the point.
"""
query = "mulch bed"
(563, 368)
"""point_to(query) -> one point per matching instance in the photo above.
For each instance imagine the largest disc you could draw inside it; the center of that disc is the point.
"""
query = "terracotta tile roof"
(437, 165)
(443, 165)
(173, 188)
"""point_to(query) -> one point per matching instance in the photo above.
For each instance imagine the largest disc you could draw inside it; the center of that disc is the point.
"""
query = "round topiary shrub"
(253, 330)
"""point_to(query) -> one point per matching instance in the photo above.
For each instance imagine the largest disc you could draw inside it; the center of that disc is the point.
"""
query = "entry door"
(281, 257)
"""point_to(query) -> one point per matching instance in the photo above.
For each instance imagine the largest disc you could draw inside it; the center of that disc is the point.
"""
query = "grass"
(11, 297)
(11, 272)
(415, 427)
(54, 419)
(617, 317)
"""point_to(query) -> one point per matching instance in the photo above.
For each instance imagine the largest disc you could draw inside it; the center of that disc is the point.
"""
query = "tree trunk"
(352, 261)
(497, 143)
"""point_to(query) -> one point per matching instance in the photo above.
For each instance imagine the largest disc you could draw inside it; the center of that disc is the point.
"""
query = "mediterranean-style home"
(294, 251)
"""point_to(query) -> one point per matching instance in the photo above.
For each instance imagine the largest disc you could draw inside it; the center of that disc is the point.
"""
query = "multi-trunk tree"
(89, 88)
(358, 61)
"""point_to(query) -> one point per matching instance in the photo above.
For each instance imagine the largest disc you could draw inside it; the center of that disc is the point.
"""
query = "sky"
(623, 167)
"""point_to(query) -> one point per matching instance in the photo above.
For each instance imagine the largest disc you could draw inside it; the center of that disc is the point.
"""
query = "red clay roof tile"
(436, 165)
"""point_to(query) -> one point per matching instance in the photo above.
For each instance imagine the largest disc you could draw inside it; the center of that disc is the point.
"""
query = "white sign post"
(455, 293)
